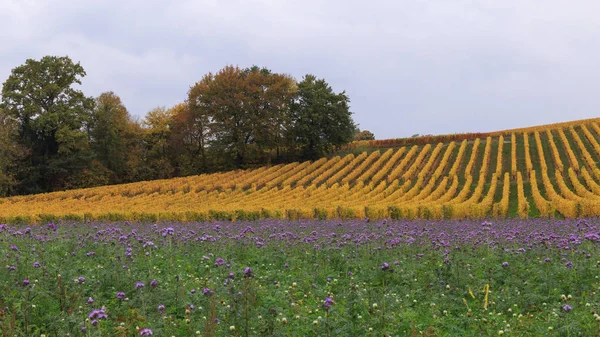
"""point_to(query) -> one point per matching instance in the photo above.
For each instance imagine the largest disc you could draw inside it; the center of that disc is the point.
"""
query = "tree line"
(54, 137)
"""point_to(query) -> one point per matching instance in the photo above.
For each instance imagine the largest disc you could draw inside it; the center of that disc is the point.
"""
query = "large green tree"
(114, 137)
(51, 117)
(10, 153)
(321, 118)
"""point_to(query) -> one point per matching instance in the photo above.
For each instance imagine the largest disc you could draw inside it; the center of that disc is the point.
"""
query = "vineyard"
(543, 171)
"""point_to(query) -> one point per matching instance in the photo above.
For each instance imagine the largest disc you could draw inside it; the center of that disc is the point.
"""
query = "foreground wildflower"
(145, 332)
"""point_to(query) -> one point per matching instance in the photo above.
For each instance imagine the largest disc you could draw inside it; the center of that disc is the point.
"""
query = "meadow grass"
(302, 278)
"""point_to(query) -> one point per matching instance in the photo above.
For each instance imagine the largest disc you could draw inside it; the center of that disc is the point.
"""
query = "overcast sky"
(427, 67)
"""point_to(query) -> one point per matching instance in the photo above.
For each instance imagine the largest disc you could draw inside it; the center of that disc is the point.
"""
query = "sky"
(409, 67)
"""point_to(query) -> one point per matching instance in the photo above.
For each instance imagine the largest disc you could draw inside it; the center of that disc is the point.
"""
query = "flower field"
(302, 278)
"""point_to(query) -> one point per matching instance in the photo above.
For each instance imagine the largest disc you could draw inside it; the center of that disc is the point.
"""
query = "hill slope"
(540, 171)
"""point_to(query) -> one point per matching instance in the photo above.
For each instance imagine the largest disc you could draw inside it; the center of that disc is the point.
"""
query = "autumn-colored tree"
(157, 128)
(189, 139)
(364, 135)
(246, 111)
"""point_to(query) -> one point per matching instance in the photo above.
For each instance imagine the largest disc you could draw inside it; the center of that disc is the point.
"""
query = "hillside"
(549, 170)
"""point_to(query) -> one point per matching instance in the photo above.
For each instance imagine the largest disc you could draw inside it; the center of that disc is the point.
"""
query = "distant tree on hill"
(241, 113)
(321, 118)
(115, 138)
(10, 153)
(53, 137)
(190, 140)
(364, 135)
(52, 119)
(157, 129)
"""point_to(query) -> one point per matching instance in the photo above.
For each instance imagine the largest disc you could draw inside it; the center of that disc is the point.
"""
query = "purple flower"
(51, 226)
(145, 332)
(161, 308)
(36, 264)
(569, 264)
(139, 285)
(275, 282)
(11, 268)
(153, 283)
(505, 264)
(80, 279)
(121, 295)
(328, 279)
(88, 253)
(396, 262)
(349, 273)
(286, 265)
(207, 291)
(13, 247)
(567, 308)
(167, 231)
(219, 261)
(547, 260)
(83, 329)
(230, 276)
(25, 282)
(192, 307)
(217, 320)
(90, 300)
(193, 291)
(328, 302)
(385, 266)
(248, 272)
(98, 314)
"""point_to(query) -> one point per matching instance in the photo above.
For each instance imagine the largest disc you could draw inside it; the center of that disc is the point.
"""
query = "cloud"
(408, 66)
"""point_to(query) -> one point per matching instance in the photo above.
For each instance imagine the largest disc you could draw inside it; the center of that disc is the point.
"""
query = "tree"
(321, 118)
(188, 140)
(364, 135)
(51, 119)
(158, 126)
(10, 153)
(111, 136)
(242, 112)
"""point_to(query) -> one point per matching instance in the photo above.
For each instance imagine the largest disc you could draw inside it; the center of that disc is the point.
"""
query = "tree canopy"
(51, 118)
(321, 118)
(246, 111)
(53, 136)
(364, 135)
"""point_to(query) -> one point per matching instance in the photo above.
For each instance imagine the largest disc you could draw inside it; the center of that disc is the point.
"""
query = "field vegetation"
(546, 171)
(302, 278)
